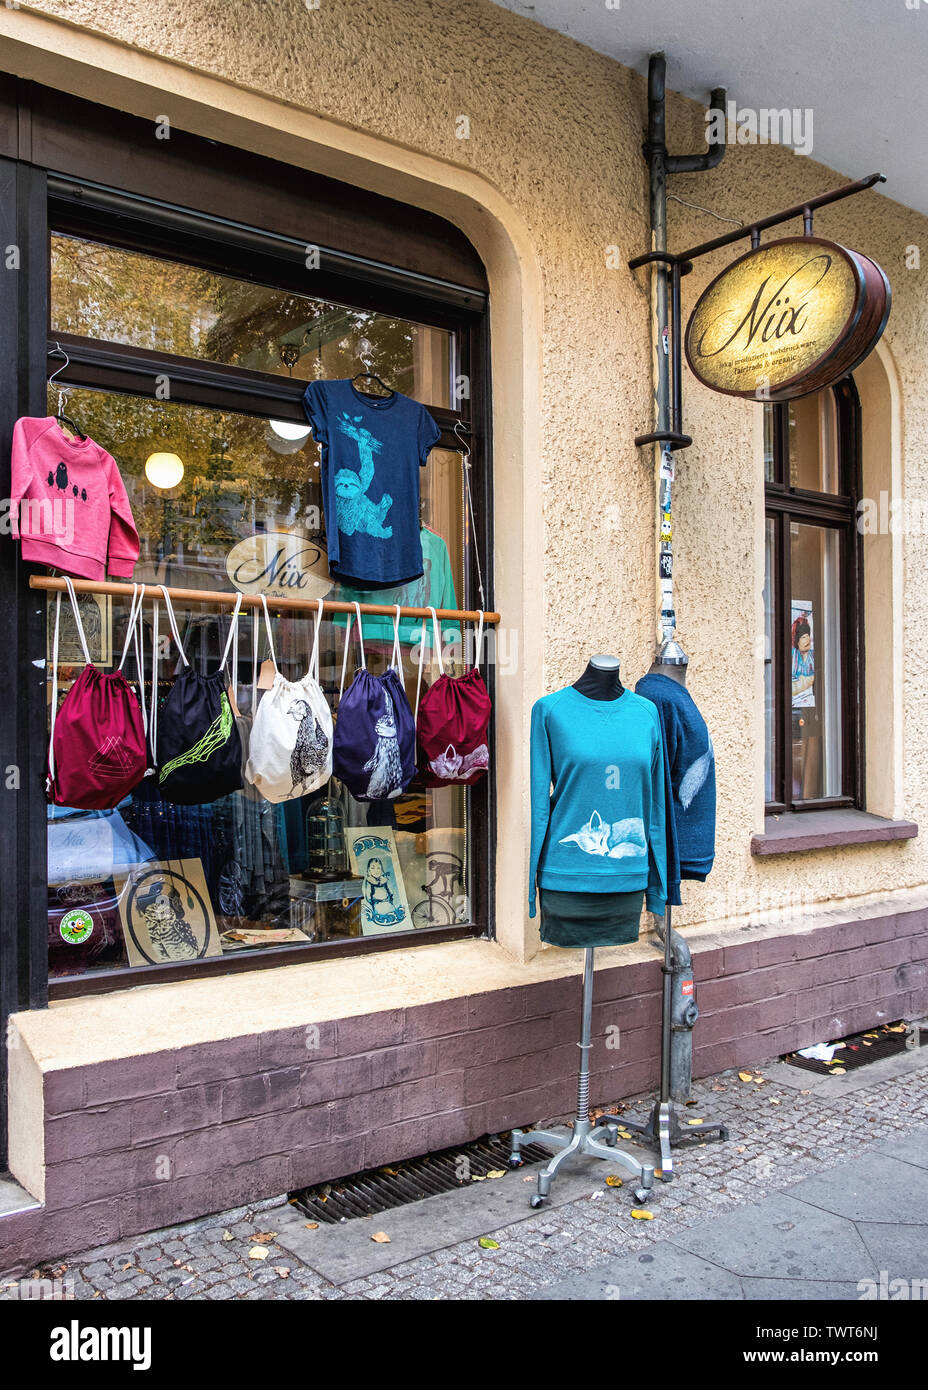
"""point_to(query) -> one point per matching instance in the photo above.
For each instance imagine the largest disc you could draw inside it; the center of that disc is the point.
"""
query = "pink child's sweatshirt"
(70, 507)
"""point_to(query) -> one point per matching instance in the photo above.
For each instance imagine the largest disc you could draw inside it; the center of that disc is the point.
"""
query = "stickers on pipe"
(666, 528)
(666, 563)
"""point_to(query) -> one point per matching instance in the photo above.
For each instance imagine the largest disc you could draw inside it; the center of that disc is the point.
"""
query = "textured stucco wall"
(555, 136)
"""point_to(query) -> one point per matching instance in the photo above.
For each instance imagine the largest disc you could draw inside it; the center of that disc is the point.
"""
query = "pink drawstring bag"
(451, 720)
(97, 752)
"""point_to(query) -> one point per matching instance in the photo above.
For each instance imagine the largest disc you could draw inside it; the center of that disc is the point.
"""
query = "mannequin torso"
(600, 680)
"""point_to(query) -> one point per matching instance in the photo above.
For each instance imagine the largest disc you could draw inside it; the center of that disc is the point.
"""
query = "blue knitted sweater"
(690, 774)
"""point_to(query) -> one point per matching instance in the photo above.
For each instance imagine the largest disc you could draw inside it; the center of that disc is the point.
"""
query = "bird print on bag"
(310, 751)
(385, 764)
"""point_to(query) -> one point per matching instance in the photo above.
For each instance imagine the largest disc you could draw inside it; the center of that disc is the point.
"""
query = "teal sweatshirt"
(597, 797)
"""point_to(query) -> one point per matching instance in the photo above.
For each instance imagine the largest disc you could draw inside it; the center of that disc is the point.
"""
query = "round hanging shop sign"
(280, 564)
(787, 319)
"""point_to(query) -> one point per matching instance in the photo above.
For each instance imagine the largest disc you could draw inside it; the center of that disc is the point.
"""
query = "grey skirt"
(590, 919)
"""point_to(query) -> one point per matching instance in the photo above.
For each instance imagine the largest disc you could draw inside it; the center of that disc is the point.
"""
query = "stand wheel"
(516, 1160)
(642, 1194)
(612, 1136)
(723, 1133)
(537, 1202)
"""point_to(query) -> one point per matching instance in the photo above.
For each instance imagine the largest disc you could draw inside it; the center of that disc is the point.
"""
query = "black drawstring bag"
(198, 748)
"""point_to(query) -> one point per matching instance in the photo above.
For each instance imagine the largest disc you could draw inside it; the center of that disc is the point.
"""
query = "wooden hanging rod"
(227, 600)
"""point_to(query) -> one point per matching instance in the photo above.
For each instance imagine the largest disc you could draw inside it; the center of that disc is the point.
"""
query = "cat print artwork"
(166, 913)
(621, 839)
(355, 510)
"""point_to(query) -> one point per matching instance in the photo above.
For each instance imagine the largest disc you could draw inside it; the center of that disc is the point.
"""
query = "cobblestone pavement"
(780, 1132)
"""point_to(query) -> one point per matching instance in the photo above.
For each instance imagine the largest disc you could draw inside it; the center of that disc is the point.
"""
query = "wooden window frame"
(785, 504)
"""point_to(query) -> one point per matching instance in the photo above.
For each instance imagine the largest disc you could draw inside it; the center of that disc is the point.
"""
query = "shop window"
(813, 713)
(223, 478)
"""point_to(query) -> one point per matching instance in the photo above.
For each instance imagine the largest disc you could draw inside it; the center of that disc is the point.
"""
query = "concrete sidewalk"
(823, 1185)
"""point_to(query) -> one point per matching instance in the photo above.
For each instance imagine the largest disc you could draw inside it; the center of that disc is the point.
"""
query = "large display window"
(188, 368)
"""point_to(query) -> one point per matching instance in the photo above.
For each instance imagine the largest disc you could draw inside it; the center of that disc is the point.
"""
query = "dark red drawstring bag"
(451, 721)
(97, 751)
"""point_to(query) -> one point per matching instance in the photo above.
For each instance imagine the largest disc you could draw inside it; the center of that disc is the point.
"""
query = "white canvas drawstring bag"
(290, 750)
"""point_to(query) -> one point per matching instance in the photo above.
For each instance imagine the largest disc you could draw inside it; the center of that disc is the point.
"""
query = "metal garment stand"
(678, 1016)
(584, 1140)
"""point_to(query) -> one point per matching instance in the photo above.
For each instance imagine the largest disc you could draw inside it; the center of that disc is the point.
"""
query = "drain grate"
(381, 1189)
(862, 1048)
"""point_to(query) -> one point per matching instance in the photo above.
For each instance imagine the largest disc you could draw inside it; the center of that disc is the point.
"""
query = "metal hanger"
(365, 358)
(63, 392)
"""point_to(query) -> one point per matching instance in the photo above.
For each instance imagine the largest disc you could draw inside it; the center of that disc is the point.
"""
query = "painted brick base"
(150, 1141)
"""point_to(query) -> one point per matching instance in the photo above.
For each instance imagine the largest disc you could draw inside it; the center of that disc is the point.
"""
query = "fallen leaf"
(227, 1235)
(497, 1173)
(745, 1076)
(623, 1134)
(381, 1238)
(283, 1271)
(742, 1148)
(805, 1093)
(258, 1252)
(838, 1071)
(871, 1035)
(774, 1100)
(696, 1121)
(264, 1237)
(895, 1027)
(641, 1215)
(478, 1177)
(613, 1181)
(311, 1225)
(486, 1243)
(125, 1267)
(865, 1043)
(528, 1179)
(658, 1172)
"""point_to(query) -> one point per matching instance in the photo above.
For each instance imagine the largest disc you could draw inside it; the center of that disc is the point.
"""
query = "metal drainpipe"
(680, 1007)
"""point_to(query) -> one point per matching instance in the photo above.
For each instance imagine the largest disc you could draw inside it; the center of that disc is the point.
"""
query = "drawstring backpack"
(452, 719)
(290, 749)
(96, 750)
(374, 748)
(198, 750)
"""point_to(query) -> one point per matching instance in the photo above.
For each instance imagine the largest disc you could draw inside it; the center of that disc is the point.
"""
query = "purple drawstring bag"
(374, 748)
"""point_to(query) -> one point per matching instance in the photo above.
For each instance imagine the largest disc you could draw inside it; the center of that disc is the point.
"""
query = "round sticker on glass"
(76, 926)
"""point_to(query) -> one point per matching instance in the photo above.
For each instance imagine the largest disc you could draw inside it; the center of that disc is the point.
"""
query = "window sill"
(794, 832)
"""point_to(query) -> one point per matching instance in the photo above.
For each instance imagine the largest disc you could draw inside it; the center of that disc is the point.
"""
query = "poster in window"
(96, 612)
(374, 860)
(802, 654)
(167, 915)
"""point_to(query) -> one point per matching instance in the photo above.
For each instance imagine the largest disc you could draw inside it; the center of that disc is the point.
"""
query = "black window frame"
(784, 505)
(41, 201)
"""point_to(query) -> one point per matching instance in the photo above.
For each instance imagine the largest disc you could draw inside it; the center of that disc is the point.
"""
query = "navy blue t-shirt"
(372, 450)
